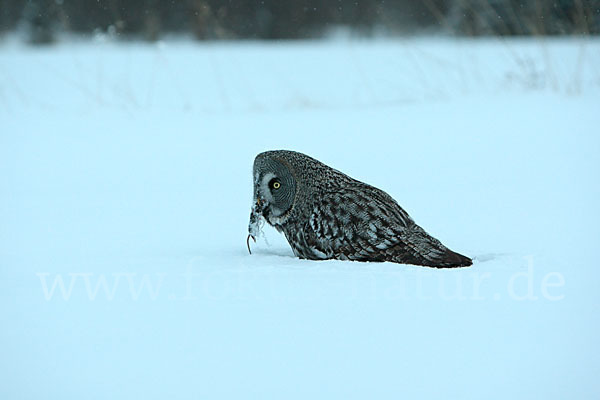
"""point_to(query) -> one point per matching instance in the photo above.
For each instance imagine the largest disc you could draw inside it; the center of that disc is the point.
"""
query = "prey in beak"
(256, 221)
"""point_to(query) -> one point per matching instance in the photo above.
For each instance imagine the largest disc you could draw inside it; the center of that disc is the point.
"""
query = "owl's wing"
(363, 223)
(415, 246)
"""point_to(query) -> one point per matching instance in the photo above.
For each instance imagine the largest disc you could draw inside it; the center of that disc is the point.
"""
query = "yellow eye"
(274, 184)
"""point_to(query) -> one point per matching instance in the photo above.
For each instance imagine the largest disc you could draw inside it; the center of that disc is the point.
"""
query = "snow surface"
(126, 176)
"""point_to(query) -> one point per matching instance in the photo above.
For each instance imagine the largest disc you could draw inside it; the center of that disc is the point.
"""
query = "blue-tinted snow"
(126, 176)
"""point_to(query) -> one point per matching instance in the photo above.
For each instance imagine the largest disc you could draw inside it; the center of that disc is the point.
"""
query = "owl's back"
(338, 217)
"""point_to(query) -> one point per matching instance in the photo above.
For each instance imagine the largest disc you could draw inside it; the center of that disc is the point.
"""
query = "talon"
(248, 242)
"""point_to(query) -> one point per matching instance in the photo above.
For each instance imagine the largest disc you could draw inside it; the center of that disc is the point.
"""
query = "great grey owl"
(325, 214)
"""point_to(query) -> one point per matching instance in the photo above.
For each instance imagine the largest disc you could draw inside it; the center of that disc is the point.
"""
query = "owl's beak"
(259, 206)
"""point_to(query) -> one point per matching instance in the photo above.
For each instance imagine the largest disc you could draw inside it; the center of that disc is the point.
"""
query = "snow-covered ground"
(125, 193)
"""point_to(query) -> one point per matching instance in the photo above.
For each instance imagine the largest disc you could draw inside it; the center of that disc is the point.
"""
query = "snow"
(126, 176)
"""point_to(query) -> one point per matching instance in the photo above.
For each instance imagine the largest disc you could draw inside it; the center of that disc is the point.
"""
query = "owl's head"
(274, 184)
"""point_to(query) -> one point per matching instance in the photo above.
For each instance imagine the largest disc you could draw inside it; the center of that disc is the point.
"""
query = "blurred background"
(44, 21)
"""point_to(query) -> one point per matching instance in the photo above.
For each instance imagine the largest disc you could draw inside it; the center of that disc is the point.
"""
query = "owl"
(325, 214)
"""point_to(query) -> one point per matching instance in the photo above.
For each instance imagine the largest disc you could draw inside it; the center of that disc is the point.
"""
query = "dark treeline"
(289, 19)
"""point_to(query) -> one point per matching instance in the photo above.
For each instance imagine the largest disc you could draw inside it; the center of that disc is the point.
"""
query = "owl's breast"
(303, 240)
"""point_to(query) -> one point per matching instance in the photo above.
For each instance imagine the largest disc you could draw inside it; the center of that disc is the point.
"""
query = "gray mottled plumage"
(325, 214)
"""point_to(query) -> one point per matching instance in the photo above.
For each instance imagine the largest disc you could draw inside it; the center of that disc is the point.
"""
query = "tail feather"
(452, 259)
(420, 248)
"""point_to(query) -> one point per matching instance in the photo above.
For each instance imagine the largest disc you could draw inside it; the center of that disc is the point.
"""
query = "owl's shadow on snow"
(485, 257)
(273, 252)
